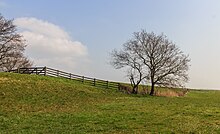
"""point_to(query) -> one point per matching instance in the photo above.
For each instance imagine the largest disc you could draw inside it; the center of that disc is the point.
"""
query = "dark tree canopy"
(12, 46)
(162, 62)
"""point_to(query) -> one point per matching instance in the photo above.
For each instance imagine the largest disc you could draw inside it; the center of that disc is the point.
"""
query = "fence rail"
(46, 71)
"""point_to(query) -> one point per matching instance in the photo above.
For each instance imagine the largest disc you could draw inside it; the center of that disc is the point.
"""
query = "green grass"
(39, 104)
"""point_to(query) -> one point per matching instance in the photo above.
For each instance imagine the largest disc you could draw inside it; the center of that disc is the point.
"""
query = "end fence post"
(45, 71)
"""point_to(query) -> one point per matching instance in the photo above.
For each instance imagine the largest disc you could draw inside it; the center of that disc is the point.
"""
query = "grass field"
(38, 104)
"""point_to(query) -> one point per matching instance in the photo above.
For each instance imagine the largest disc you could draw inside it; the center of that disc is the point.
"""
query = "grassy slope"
(38, 104)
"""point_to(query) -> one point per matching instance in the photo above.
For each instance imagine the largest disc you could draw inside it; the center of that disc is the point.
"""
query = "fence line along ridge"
(46, 71)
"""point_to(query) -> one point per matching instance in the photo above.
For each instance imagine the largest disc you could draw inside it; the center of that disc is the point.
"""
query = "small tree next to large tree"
(135, 67)
(12, 46)
(164, 64)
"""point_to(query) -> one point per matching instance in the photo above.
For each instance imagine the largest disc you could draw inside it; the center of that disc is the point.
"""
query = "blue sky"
(91, 29)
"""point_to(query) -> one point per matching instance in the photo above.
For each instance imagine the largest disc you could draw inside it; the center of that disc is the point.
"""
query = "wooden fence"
(57, 73)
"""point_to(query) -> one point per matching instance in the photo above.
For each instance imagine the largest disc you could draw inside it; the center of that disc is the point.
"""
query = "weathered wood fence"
(46, 71)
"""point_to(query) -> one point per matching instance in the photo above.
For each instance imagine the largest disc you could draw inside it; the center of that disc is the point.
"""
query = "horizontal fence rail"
(46, 71)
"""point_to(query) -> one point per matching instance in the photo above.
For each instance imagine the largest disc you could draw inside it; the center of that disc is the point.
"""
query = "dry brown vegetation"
(160, 91)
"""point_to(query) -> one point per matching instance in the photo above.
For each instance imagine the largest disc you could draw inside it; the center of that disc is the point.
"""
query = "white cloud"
(50, 45)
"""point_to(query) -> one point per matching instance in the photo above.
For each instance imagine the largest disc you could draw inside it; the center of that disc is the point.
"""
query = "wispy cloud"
(50, 45)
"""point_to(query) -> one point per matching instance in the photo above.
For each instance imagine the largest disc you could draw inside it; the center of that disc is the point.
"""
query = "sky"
(78, 35)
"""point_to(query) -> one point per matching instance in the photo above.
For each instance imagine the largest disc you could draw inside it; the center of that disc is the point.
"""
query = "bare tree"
(12, 46)
(126, 58)
(164, 63)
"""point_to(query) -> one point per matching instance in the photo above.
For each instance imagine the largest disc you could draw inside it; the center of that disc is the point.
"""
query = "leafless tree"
(164, 63)
(126, 58)
(12, 46)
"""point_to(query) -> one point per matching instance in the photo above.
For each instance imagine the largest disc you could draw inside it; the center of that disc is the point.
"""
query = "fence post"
(35, 69)
(83, 79)
(70, 76)
(18, 70)
(94, 81)
(27, 69)
(45, 71)
(57, 73)
(118, 86)
(107, 84)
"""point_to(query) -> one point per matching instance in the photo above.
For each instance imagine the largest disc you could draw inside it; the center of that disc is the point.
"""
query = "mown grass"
(39, 104)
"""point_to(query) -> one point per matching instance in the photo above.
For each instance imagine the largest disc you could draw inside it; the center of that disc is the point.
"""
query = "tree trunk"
(135, 89)
(152, 89)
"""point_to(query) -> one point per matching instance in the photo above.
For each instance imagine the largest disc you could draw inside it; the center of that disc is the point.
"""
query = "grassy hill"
(39, 104)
